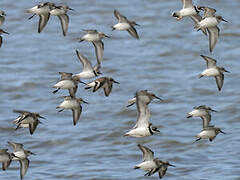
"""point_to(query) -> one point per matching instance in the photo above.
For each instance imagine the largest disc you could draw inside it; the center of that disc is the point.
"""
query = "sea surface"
(165, 61)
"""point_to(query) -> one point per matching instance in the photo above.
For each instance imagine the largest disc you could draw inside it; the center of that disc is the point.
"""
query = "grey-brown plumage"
(214, 71)
(96, 38)
(21, 155)
(1, 39)
(125, 24)
(5, 158)
(103, 82)
(151, 164)
(74, 104)
(29, 118)
(2, 17)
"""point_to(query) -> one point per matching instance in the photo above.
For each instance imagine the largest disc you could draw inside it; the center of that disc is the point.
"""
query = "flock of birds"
(69, 81)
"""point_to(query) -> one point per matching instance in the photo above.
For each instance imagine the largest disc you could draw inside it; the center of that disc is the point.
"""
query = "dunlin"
(124, 24)
(21, 155)
(96, 38)
(61, 13)
(204, 112)
(214, 70)
(74, 104)
(210, 22)
(143, 127)
(152, 164)
(209, 133)
(43, 10)
(28, 119)
(67, 81)
(191, 11)
(103, 82)
(87, 71)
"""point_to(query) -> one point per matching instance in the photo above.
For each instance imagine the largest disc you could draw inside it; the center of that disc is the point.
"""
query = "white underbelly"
(122, 26)
(211, 72)
(188, 12)
(64, 84)
(208, 22)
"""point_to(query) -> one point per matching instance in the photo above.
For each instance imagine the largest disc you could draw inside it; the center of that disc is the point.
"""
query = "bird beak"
(200, 75)
(171, 165)
(116, 82)
(5, 32)
(189, 116)
(85, 102)
(227, 71)
(222, 132)
(42, 117)
(213, 110)
(32, 153)
(71, 9)
(225, 20)
(158, 98)
(106, 36)
(137, 24)
(82, 82)
(156, 130)
(130, 104)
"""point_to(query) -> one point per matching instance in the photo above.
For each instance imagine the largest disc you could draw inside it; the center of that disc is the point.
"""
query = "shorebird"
(191, 11)
(67, 81)
(74, 104)
(61, 13)
(87, 71)
(43, 10)
(1, 32)
(96, 38)
(5, 158)
(103, 82)
(210, 22)
(214, 70)
(124, 24)
(133, 100)
(28, 119)
(143, 127)
(152, 164)
(209, 132)
(2, 17)
(204, 112)
(21, 155)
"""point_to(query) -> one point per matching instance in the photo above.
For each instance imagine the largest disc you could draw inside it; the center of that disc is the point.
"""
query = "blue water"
(165, 61)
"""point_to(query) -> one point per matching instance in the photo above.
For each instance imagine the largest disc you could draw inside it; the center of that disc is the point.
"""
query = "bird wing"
(108, 89)
(99, 83)
(206, 120)
(148, 154)
(43, 19)
(162, 171)
(6, 164)
(64, 23)
(197, 18)
(119, 16)
(24, 164)
(87, 65)
(99, 48)
(0, 41)
(213, 37)
(65, 75)
(76, 114)
(132, 31)
(33, 126)
(210, 63)
(90, 31)
(15, 146)
(187, 3)
(208, 12)
(72, 91)
(219, 81)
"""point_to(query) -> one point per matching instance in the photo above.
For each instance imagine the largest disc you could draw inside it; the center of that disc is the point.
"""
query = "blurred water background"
(165, 61)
